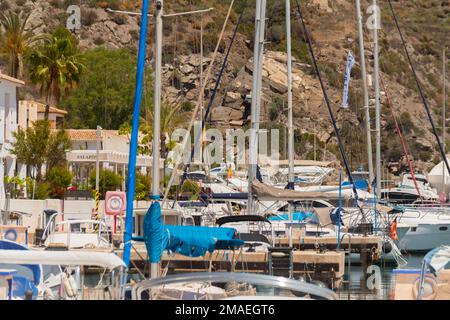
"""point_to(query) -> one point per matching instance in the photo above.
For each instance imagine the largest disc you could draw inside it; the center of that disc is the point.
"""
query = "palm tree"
(15, 40)
(171, 119)
(56, 65)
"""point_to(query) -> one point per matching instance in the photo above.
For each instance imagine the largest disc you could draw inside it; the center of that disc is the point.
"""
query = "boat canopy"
(241, 218)
(437, 258)
(296, 216)
(69, 258)
(267, 193)
(6, 245)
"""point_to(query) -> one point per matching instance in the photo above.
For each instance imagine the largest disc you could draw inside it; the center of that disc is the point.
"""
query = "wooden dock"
(369, 247)
(328, 267)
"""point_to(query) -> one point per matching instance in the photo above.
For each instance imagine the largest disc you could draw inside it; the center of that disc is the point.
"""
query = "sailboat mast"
(154, 266)
(256, 98)
(290, 111)
(365, 90)
(377, 97)
(131, 177)
(444, 95)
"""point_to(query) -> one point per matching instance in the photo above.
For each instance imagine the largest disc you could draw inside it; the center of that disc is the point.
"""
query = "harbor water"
(357, 287)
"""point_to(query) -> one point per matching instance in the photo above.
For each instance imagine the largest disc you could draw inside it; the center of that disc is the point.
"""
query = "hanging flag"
(348, 70)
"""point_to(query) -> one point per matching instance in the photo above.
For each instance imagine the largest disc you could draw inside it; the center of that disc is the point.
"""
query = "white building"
(8, 125)
(113, 154)
(31, 111)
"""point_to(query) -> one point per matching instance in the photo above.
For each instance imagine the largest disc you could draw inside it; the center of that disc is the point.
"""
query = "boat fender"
(66, 285)
(393, 230)
(387, 247)
(48, 294)
(431, 282)
(73, 284)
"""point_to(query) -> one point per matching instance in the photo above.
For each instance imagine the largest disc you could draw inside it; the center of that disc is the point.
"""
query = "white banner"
(348, 70)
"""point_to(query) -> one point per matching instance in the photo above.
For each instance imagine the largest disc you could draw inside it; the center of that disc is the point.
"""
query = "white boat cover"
(268, 193)
(68, 258)
(438, 258)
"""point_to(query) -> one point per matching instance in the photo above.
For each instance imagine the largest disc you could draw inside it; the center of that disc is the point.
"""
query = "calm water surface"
(357, 289)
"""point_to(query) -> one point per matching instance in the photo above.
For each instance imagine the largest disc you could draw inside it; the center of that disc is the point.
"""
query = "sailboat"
(187, 240)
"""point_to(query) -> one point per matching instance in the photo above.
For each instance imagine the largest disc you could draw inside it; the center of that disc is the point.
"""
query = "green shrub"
(108, 181)
(191, 188)
(4, 5)
(88, 17)
(59, 179)
(142, 186)
(187, 106)
(14, 186)
(41, 192)
(120, 19)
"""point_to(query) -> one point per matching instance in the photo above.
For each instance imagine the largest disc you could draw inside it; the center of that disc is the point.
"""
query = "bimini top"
(68, 258)
(241, 218)
(437, 258)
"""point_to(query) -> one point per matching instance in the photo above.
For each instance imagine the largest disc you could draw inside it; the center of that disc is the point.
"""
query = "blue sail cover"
(189, 241)
(153, 232)
(194, 241)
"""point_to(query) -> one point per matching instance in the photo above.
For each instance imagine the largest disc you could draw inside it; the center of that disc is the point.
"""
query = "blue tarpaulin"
(296, 216)
(192, 241)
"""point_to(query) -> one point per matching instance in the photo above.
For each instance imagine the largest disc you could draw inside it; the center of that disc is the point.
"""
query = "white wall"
(8, 124)
(73, 209)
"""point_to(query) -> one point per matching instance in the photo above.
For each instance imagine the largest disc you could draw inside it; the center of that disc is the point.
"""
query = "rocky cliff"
(333, 28)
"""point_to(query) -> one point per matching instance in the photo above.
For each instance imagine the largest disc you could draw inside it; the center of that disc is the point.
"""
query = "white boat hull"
(425, 237)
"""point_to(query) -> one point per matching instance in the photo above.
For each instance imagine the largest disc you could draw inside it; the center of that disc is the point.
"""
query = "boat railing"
(233, 277)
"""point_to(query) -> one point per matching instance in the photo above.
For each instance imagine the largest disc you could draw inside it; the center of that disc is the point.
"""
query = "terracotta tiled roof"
(87, 134)
(11, 79)
(41, 109)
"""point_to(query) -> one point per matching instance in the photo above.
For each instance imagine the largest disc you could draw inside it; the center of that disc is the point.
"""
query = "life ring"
(11, 235)
(428, 280)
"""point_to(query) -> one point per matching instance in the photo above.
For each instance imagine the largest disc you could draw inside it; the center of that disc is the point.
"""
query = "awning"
(68, 258)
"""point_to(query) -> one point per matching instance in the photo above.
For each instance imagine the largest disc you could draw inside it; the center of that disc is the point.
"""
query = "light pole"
(97, 161)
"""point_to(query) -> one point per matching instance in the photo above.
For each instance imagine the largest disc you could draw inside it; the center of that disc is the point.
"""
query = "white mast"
(260, 20)
(157, 113)
(290, 117)
(377, 98)
(444, 93)
(365, 89)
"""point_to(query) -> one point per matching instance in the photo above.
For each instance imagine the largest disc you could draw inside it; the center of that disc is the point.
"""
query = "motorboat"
(87, 275)
(431, 282)
(425, 230)
(406, 192)
(27, 280)
(73, 234)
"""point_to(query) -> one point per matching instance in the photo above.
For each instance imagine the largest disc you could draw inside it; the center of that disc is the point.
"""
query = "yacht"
(406, 192)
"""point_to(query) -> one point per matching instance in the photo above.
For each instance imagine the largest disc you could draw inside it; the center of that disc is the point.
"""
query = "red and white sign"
(115, 203)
